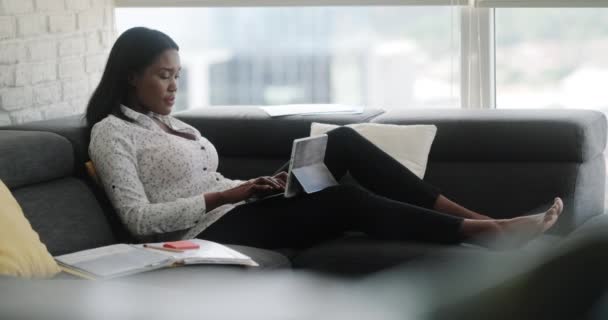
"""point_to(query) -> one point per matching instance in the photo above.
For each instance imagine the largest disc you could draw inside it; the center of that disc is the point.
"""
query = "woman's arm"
(214, 200)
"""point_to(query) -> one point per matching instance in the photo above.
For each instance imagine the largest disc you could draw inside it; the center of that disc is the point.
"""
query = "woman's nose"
(173, 86)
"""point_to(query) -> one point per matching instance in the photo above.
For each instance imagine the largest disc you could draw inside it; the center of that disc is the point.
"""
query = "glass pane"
(386, 57)
(551, 58)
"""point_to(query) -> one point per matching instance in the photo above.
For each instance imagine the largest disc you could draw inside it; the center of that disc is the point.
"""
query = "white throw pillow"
(410, 145)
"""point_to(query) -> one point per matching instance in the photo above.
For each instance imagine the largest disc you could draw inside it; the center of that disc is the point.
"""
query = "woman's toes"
(553, 214)
(556, 209)
(560, 205)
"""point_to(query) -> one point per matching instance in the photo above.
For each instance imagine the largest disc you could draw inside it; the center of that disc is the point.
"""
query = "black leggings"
(397, 208)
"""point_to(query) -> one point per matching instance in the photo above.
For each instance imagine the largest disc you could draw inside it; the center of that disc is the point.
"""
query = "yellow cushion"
(21, 252)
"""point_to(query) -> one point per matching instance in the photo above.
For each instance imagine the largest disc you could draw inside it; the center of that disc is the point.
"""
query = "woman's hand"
(281, 177)
(258, 187)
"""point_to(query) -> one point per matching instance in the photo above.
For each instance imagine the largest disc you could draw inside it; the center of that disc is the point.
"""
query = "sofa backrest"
(499, 162)
(38, 169)
(72, 128)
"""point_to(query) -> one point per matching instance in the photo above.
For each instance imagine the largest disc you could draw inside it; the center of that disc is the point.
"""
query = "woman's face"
(156, 86)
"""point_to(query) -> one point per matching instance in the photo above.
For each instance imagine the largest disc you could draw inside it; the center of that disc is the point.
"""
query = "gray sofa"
(499, 162)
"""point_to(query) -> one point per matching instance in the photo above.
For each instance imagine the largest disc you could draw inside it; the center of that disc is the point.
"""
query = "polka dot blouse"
(154, 179)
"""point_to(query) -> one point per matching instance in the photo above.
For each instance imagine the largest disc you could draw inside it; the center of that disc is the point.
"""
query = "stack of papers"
(311, 109)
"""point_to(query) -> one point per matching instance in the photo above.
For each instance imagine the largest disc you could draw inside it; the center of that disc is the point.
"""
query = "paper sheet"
(209, 252)
(292, 109)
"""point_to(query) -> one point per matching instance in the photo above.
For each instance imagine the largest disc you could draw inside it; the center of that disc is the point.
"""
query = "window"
(552, 58)
(389, 57)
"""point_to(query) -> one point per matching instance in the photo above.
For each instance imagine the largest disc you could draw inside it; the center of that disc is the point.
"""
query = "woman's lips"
(170, 100)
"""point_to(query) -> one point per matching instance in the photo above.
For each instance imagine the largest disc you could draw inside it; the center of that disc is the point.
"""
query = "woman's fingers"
(269, 181)
(281, 176)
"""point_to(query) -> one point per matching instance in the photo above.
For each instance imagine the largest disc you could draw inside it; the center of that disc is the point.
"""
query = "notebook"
(307, 169)
(121, 259)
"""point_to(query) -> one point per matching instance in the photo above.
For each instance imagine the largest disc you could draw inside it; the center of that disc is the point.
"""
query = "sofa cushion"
(65, 214)
(28, 157)
(250, 132)
(21, 252)
(509, 135)
(357, 254)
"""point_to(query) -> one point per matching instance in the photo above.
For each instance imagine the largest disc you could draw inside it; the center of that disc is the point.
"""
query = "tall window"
(385, 57)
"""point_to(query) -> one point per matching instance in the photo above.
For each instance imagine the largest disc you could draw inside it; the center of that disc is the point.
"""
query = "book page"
(114, 260)
(92, 254)
(208, 252)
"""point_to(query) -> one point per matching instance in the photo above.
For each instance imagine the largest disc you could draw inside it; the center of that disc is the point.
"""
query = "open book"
(124, 259)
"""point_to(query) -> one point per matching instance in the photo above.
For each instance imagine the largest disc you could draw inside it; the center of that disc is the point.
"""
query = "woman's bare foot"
(515, 232)
(538, 223)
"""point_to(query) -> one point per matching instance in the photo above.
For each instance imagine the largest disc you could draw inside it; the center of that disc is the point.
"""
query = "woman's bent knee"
(342, 131)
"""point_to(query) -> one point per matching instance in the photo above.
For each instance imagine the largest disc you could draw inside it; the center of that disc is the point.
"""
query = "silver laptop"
(307, 170)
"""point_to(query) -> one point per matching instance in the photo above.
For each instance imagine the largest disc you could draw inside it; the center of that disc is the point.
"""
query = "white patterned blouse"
(156, 180)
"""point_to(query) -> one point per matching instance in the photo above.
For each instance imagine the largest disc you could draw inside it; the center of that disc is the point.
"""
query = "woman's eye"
(165, 76)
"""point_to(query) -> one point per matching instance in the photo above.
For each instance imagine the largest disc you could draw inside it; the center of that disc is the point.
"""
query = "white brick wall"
(34, 73)
(7, 76)
(31, 25)
(11, 53)
(49, 6)
(7, 27)
(63, 22)
(42, 50)
(52, 55)
(72, 46)
(47, 93)
(10, 7)
(70, 69)
(5, 118)
(16, 98)
(77, 88)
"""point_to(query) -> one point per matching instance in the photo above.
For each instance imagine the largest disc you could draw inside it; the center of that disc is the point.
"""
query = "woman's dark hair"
(133, 51)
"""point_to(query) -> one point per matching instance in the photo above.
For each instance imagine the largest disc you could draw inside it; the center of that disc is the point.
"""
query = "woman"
(160, 174)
